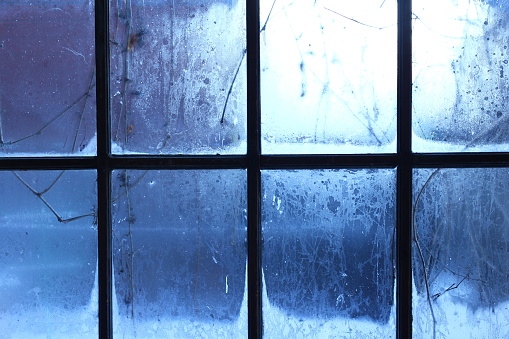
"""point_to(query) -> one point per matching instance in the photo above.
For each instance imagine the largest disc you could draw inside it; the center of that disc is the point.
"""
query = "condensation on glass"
(461, 253)
(328, 244)
(179, 253)
(47, 92)
(48, 254)
(460, 75)
(328, 76)
(178, 76)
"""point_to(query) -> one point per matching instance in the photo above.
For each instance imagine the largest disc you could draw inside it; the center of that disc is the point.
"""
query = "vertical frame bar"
(103, 168)
(403, 252)
(104, 253)
(404, 89)
(404, 174)
(254, 268)
(405, 161)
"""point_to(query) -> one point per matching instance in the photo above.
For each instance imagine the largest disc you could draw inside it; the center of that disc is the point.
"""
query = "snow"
(328, 76)
(454, 321)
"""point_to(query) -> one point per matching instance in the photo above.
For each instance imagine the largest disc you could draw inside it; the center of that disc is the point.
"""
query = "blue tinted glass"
(179, 253)
(48, 254)
(178, 76)
(328, 253)
(461, 252)
(460, 76)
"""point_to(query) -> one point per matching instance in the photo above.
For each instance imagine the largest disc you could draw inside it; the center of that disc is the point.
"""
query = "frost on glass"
(48, 254)
(328, 253)
(328, 76)
(461, 253)
(47, 78)
(460, 75)
(179, 253)
(178, 76)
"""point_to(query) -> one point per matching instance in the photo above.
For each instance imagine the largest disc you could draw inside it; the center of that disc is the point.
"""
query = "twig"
(39, 131)
(450, 288)
(231, 85)
(53, 183)
(268, 17)
(197, 272)
(131, 186)
(240, 64)
(130, 221)
(356, 21)
(39, 195)
(129, 261)
(90, 86)
(421, 256)
(125, 69)
(487, 130)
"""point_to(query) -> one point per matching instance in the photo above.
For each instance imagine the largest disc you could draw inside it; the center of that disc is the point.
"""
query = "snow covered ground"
(300, 134)
(453, 321)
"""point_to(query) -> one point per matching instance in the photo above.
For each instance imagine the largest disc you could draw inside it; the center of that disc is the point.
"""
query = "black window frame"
(403, 160)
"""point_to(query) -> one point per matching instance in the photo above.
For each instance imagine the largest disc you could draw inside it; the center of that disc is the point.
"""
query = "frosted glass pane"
(179, 253)
(328, 76)
(47, 78)
(178, 76)
(460, 75)
(48, 254)
(328, 253)
(461, 253)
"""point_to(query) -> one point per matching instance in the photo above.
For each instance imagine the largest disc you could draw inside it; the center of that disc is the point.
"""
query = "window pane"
(47, 92)
(179, 253)
(328, 253)
(328, 72)
(461, 253)
(48, 268)
(460, 70)
(178, 76)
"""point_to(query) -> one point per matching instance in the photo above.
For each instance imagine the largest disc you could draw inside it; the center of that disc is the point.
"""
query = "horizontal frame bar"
(304, 161)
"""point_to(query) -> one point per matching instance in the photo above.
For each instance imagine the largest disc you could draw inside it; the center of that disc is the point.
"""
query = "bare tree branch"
(39, 195)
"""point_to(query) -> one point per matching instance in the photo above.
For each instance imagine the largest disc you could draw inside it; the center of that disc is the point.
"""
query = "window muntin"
(405, 161)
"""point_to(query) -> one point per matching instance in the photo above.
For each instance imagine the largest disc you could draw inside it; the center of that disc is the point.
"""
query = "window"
(248, 169)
